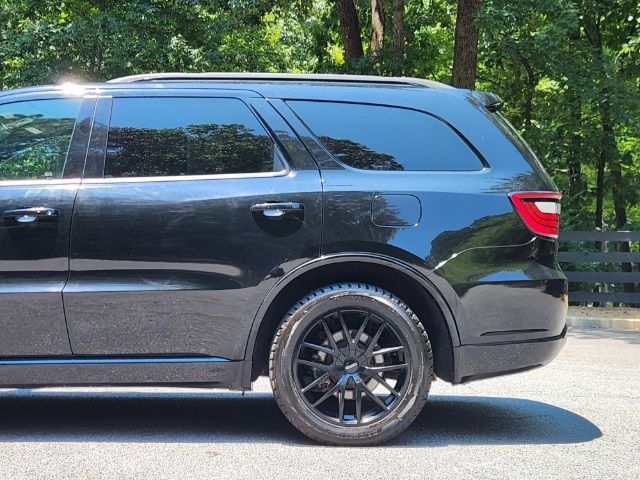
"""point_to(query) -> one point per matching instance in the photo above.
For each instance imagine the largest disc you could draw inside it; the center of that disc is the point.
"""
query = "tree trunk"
(610, 146)
(619, 199)
(377, 33)
(576, 180)
(600, 246)
(609, 152)
(531, 90)
(465, 52)
(599, 193)
(611, 155)
(95, 64)
(592, 32)
(398, 35)
(350, 29)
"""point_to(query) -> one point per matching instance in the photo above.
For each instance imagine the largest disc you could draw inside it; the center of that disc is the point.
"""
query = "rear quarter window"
(373, 137)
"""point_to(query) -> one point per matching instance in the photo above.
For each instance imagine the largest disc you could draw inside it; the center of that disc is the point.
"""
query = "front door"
(36, 202)
(193, 215)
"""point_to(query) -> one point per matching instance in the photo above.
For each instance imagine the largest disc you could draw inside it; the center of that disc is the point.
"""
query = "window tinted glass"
(186, 136)
(523, 147)
(35, 137)
(386, 138)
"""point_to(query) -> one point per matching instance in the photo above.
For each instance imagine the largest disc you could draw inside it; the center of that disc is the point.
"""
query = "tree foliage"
(569, 70)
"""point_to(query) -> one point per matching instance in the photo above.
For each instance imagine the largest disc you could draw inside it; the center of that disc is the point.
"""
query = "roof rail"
(277, 77)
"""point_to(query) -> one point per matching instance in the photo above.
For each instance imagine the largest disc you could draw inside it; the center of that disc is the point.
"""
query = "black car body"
(173, 220)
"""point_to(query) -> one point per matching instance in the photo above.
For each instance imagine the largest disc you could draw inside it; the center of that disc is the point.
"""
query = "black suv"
(353, 237)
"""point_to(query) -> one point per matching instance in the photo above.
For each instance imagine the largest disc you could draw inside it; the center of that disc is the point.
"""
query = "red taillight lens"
(540, 211)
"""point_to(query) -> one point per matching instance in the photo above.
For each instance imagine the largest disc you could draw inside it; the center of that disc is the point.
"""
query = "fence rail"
(598, 236)
(630, 279)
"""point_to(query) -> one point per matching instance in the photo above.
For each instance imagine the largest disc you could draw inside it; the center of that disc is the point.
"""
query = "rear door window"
(150, 137)
(373, 137)
(35, 137)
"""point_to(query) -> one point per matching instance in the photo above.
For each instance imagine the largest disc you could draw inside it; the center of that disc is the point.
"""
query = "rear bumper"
(475, 362)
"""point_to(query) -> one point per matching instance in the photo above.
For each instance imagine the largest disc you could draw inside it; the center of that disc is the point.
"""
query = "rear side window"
(151, 137)
(372, 137)
(35, 137)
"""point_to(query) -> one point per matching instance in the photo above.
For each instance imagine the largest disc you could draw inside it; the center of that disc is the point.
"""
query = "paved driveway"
(577, 418)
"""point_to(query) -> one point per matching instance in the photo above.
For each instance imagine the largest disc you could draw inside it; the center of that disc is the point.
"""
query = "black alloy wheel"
(351, 365)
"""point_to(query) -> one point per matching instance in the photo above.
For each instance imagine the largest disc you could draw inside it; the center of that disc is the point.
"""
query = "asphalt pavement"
(576, 418)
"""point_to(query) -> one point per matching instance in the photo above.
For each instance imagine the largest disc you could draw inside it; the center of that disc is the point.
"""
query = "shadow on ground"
(78, 416)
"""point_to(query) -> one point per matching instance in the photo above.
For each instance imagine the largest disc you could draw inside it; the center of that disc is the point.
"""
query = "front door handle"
(30, 215)
(278, 210)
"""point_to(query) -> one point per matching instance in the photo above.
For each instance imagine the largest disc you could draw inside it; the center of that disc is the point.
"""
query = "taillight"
(540, 211)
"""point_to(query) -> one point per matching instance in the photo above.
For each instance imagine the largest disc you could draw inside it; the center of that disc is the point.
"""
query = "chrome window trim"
(277, 149)
(482, 171)
(49, 183)
(181, 178)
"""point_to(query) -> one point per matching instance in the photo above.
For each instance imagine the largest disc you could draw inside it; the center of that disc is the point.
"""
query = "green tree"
(568, 70)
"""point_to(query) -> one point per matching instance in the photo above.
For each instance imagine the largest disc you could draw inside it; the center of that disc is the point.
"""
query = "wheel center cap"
(351, 365)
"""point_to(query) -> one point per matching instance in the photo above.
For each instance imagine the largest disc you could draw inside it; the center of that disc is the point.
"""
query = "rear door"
(42, 149)
(190, 210)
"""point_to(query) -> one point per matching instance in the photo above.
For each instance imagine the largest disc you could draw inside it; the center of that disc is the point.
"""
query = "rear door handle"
(30, 215)
(278, 210)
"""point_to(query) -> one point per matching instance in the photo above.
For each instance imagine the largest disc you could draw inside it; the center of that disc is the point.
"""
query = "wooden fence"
(603, 278)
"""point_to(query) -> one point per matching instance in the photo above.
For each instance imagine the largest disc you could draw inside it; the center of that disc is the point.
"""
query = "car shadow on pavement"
(220, 417)
(469, 420)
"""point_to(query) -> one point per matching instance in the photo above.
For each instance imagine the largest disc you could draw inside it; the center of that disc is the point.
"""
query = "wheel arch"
(398, 278)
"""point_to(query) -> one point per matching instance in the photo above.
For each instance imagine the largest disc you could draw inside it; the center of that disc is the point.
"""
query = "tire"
(327, 353)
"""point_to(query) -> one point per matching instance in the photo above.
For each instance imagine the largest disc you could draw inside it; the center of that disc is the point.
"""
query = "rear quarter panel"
(501, 282)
